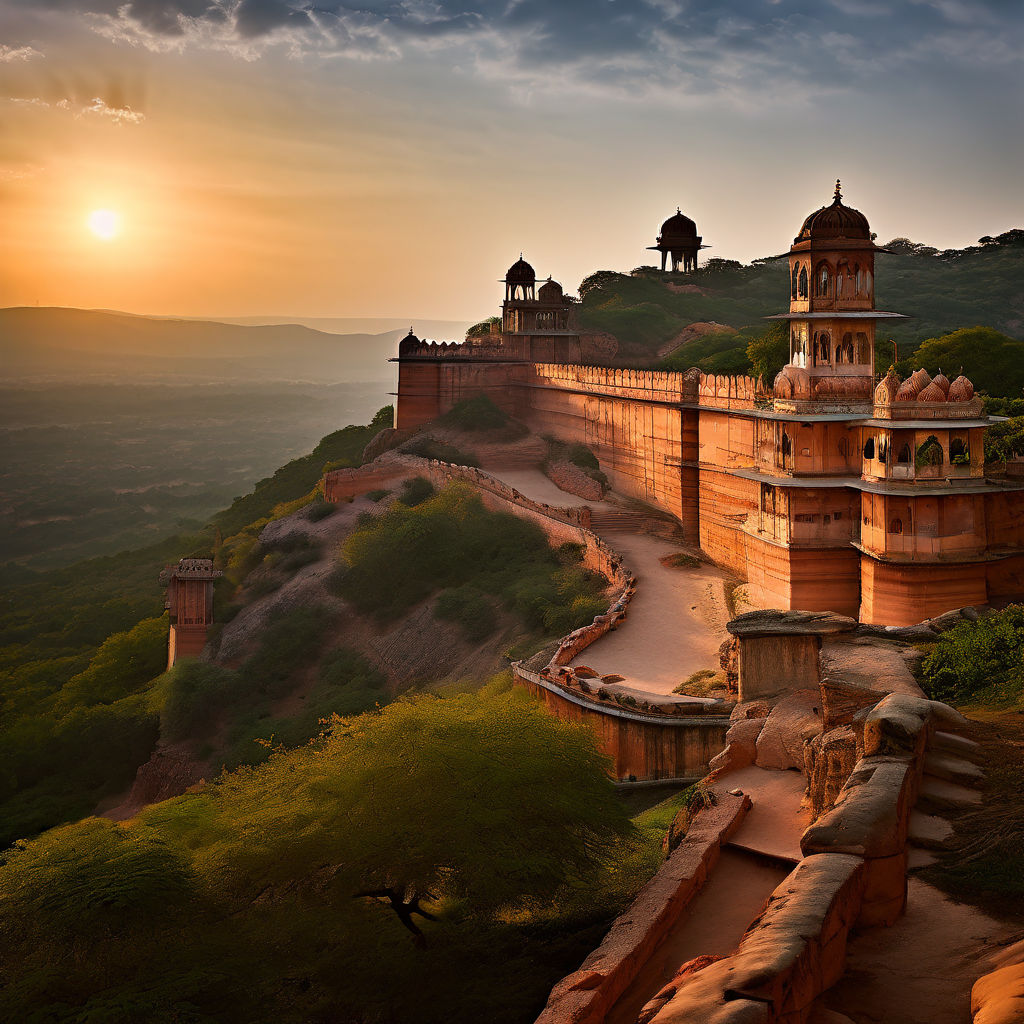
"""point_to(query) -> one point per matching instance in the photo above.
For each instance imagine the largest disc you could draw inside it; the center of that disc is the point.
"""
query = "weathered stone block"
(870, 815)
(793, 722)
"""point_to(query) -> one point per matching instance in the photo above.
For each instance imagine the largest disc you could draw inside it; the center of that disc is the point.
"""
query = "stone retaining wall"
(586, 995)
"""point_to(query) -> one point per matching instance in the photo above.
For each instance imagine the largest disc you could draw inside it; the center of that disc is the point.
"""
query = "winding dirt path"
(677, 617)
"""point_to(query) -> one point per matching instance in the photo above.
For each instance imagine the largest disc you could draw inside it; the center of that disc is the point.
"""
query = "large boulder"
(792, 724)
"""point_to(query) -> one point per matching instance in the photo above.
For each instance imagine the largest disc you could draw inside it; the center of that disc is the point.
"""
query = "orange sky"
(400, 175)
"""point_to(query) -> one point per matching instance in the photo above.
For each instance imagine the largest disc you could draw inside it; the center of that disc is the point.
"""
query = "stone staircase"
(952, 782)
(634, 517)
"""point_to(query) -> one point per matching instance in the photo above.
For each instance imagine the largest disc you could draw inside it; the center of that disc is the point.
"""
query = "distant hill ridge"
(54, 342)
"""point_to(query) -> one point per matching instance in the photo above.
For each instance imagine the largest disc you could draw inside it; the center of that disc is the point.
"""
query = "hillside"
(940, 292)
(54, 343)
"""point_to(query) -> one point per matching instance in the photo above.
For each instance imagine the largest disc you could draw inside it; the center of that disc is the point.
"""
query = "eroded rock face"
(830, 758)
(792, 724)
(772, 622)
(740, 746)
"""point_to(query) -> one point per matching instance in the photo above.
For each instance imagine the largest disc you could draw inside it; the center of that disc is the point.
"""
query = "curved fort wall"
(642, 746)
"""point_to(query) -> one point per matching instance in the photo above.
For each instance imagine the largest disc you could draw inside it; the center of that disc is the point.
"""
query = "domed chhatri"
(834, 222)
(678, 226)
(678, 241)
(520, 280)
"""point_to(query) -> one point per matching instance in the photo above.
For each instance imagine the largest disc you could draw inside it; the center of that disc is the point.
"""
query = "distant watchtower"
(679, 241)
(190, 602)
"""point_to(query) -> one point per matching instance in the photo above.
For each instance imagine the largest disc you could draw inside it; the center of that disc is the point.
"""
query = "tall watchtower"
(679, 241)
(832, 313)
(190, 602)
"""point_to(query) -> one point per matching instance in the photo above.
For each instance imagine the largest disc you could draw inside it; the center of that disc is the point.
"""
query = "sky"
(386, 158)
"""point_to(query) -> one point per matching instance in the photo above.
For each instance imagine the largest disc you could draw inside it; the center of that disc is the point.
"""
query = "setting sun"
(105, 224)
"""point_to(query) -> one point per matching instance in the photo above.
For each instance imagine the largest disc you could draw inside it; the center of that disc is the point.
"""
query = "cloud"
(10, 54)
(96, 107)
(684, 50)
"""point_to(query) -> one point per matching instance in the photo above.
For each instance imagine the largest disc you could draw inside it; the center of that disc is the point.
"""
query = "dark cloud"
(692, 48)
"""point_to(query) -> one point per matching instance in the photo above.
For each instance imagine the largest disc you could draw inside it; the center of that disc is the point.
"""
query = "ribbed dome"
(942, 381)
(932, 393)
(520, 272)
(912, 387)
(678, 226)
(888, 388)
(835, 221)
(961, 390)
(550, 291)
(792, 382)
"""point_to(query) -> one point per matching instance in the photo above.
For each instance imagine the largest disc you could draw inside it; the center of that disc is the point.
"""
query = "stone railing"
(853, 872)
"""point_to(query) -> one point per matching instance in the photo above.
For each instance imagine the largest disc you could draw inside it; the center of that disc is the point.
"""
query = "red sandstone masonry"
(586, 996)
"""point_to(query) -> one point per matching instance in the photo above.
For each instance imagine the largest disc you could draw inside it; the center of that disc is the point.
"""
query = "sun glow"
(104, 224)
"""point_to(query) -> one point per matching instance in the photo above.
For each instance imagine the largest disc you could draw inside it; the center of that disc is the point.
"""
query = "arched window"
(883, 450)
(821, 281)
(959, 453)
(803, 282)
(905, 455)
(796, 279)
(869, 448)
(844, 447)
(896, 525)
(822, 348)
(787, 445)
(863, 348)
(930, 453)
(842, 279)
(859, 274)
(845, 352)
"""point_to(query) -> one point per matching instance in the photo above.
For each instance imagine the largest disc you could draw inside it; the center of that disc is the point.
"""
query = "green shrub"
(414, 491)
(470, 608)
(442, 451)
(979, 661)
(477, 413)
(125, 663)
(292, 642)
(377, 494)
(450, 541)
(194, 694)
(320, 509)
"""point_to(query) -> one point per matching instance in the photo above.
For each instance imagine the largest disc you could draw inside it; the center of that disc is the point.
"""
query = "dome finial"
(839, 192)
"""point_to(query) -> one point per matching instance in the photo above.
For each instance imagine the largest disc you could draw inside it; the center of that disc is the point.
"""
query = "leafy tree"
(1004, 441)
(769, 352)
(421, 801)
(90, 880)
(124, 664)
(992, 361)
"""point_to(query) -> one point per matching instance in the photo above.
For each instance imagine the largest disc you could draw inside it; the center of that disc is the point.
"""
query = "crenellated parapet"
(729, 391)
(669, 386)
